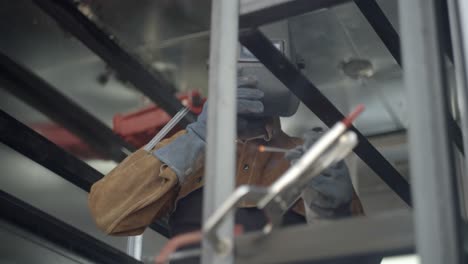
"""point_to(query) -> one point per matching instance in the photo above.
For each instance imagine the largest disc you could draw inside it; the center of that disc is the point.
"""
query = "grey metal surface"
(221, 126)
(436, 214)
(385, 234)
(458, 15)
(259, 12)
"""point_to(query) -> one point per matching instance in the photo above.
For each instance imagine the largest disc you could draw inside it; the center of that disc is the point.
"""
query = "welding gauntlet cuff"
(330, 194)
(186, 153)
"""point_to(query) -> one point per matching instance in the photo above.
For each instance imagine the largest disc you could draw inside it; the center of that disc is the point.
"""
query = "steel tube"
(436, 213)
(221, 132)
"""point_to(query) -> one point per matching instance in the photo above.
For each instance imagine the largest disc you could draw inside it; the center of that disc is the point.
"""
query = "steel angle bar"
(458, 14)
(436, 208)
(254, 13)
(65, 236)
(36, 92)
(147, 80)
(262, 48)
(353, 239)
(39, 149)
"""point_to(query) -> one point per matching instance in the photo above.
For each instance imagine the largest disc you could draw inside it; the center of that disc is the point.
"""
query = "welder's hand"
(329, 194)
(249, 104)
(186, 153)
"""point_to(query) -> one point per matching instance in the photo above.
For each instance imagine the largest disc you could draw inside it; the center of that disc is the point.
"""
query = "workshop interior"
(87, 84)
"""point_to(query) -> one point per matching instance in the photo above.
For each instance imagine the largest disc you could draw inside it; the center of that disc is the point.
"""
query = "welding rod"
(263, 148)
(166, 129)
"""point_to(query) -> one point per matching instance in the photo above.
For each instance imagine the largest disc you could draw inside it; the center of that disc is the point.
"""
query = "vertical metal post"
(458, 16)
(135, 246)
(432, 178)
(221, 132)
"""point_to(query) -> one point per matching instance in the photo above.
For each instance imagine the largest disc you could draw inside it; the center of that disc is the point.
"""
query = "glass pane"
(42, 46)
(171, 36)
(50, 193)
(346, 60)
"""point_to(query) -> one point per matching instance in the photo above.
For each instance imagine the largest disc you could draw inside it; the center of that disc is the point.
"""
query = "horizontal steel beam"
(39, 149)
(353, 239)
(67, 237)
(36, 92)
(310, 95)
(146, 79)
(254, 13)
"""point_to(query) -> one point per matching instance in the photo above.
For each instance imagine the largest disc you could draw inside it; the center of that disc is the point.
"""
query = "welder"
(170, 183)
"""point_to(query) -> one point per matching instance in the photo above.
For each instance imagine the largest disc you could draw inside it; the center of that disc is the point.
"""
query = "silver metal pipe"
(458, 15)
(135, 246)
(432, 177)
(221, 131)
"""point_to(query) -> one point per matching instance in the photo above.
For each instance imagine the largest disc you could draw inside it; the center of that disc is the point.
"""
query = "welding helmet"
(278, 99)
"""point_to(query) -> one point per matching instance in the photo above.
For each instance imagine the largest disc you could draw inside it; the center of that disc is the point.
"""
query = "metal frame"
(36, 92)
(390, 38)
(39, 149)
(146, 79)
(311, 96)
(437, 226)
(436, 210)
(221, 126)
(61, 234)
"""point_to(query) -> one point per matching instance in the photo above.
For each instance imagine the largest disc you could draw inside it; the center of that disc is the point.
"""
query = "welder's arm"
(135, 193)
(145, 185)
(185, 154)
